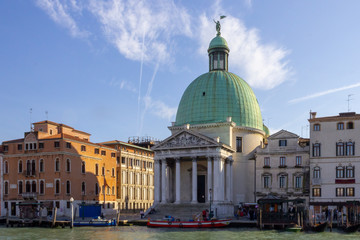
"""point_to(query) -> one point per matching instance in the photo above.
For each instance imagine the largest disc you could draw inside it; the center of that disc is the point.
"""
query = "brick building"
(54, 162)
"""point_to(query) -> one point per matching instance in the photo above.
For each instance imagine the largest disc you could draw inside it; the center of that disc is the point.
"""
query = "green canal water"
(138, 232)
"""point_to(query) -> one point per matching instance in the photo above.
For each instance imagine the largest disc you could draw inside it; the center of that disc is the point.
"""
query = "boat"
(95, 223)
(294, 229)
(320, 227)
(189, 224)
(351, 228)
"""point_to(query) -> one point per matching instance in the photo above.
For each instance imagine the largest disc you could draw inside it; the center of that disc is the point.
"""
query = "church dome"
(218, 94)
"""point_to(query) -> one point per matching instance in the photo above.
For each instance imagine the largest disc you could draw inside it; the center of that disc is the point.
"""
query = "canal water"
(139, 232)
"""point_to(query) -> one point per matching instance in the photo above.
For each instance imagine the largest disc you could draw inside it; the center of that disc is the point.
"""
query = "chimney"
(312, 115)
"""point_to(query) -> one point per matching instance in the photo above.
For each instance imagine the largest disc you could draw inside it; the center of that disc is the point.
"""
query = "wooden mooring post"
(331, 219)
(7, 217)
(260, 219)
(54, 217)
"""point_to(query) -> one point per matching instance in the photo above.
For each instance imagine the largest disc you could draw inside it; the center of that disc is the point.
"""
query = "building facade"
(1, 183)
(282, 167)
(334, 160)
(209, 156)
(135, 175)
(55, 162)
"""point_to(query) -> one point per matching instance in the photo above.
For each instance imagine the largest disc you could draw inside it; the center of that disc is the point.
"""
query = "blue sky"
(118, 69)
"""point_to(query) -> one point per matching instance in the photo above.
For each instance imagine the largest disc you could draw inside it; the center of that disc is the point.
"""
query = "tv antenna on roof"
(30, 119)
(348, 100)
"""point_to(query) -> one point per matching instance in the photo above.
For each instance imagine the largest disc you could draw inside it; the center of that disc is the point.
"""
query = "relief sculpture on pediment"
(185, 140)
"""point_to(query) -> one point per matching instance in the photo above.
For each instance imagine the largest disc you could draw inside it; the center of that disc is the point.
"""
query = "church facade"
(209, 157)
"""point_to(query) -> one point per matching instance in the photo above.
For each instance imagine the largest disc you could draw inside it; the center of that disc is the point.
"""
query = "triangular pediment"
(187, 139)
(283, 134)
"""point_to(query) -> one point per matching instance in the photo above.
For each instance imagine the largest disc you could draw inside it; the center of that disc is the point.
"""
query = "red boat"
(192, 224)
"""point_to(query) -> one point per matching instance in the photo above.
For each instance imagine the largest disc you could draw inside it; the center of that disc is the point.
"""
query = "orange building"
(135, 171)
(55, 162)
(1, 181)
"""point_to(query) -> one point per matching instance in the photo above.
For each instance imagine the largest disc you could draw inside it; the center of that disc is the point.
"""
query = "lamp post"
(72, 211)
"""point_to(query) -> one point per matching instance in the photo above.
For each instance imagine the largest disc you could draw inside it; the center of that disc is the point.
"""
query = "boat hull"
(184, 224)
(104, 223)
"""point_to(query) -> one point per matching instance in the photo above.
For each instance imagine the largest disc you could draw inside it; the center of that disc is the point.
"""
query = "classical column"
(222, 179)
(177, 162)
(157, 187)
(209, 177)
(228, 181)
(231, 179)
(217, 186)
(194, 181)
(163, 181)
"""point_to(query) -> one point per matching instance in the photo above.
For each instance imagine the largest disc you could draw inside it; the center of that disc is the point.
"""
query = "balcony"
(282, 166)
(316, 181)
(30, 195)
(30, 173)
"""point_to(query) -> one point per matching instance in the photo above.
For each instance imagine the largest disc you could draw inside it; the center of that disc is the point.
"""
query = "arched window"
(27, 186)
(339, 172)
(316, 173)
(350, 148)
(350, 125)
(68, 165)
(42, 187)
(350, 172)
(96, 169)
(33, 167)
(83, 188)
(96, 189)
(28, 167)
(340, 126)
(57, 165)
(41, 165)
(57, 186)
(6, 167)
(340, 149)
(20, 187)
(20, 166)
(6, 187)
(83, 167)
(68, 187)
(33, 186)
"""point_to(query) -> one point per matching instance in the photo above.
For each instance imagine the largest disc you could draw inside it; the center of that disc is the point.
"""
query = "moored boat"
(189, 224)
(95, 223)
(351, 228)
(319, 227)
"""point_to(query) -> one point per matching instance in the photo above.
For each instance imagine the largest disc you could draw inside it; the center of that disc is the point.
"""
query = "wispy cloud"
(59, 12)
(122, 84)
(323, 93)
(248, 3)
(263, 66)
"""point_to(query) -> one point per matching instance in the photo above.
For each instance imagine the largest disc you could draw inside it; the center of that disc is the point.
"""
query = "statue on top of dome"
(218, 26)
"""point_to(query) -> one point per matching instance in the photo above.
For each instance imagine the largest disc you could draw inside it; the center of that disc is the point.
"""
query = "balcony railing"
(30, 173)
(29, 195)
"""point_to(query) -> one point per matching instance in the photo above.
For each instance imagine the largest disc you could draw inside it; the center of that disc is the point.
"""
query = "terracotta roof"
(341, 116)
(61, 125)
(14, 141)
(126, 144)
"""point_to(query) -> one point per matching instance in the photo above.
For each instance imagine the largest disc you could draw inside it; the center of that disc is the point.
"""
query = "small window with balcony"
(340, 126)
(316, 127)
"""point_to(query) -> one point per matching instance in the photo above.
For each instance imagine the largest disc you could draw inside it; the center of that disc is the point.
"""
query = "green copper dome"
(216, 95)
(218, 42)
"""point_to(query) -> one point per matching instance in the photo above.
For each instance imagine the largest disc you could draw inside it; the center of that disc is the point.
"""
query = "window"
(350, 192)
(68, 165)
(350, 172)
(57, 204)
(316, 127)
(339, 172)
(103, 171)
(20, 167)
(96, 151)
(113, 155)
(96, 189)
(57, 186)
(68, 204)
(350, 125)
(83, 148)
(42, 187)
(83, 188)
(266, 161)
(316, 150)
(33, 167)
(113, 172)
(266, 181)
(238, 144)
(33, 186)
(6, 187)
(282, 143)
(340, 149)
(316, 173)
(19, 147)
(131, 162)
(83, 167)
(41, 165)
(6, 148)
(298, 182)
(6, 167)
(282, 181)
(51, 131)
(96, 169)
(57, 144)
(350, 146)
(68, 187)
(57, 165)
(20, 187)
(282, 161)
(41, 145)
(298, 160)
(103, 153)
(27, 186)
(316, 192)
(68, 144)
(340, 126)
(340, 192)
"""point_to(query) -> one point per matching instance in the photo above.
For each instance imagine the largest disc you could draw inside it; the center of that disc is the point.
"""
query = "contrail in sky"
(319, 94)
(141, 70)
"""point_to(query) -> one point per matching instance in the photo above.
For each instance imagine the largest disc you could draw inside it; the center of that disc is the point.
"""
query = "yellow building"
(53, 163)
